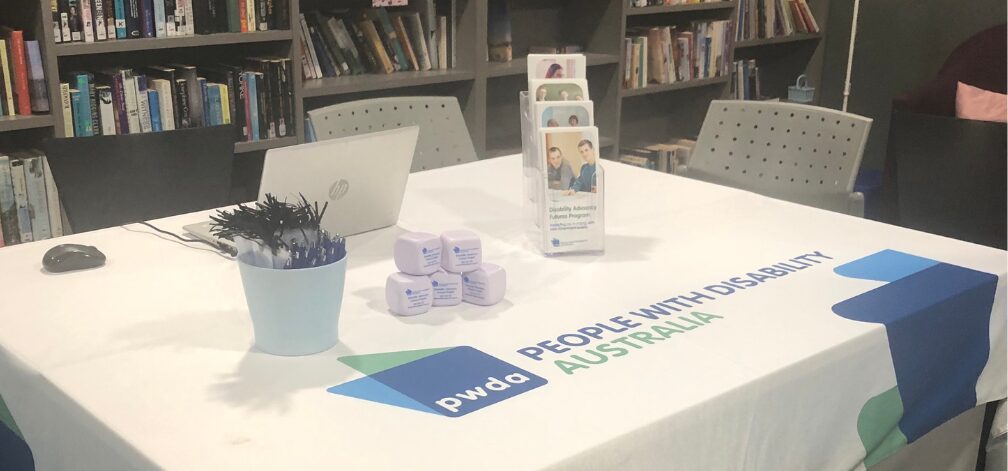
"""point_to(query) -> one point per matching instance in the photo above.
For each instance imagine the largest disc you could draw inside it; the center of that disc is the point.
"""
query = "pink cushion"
(981, 105)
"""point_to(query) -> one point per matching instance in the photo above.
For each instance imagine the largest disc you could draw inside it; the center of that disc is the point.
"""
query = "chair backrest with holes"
(794, 152)
(444, 139)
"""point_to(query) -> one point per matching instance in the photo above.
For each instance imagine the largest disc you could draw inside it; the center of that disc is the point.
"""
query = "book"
(147, 28)
(91, 97)
(331, 45)
(63, 6)
(110, 19)
(345, 45)
(36, 76)
(132, 104)
(165, 102)
(391, 40)
(206, 102)
(262, 14)
(119, 6)
(38, 207)
(106, 112)
(78, 123)
(19, 183)
(55, 18)
(262, 101)
(368, 58)
(68, 122)
(18, 64)
(418, 38)
(134, 19)
(443, 42)
(400, 29)
(52, 199)
(160, 26)
(250, 10)
(244, 93)
(376, 46)
(75, 20)
(498, 31)
(215, 116)
(170, 25)
(83, 125)
(143, 103)
(225, 104)
(194, 93)
(6, 80)
(98, 18)
(308, 50)
(8, 205)
(182, 118)
(155, 110)
(87, 19)
(252, 105)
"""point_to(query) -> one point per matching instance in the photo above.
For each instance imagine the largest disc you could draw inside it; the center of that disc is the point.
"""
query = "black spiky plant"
(267, 221)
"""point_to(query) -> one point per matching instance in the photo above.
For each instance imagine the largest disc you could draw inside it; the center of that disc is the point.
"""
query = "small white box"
(484, 286)
(447, 288)
(417, 253)
(408, 295)
(461, 251)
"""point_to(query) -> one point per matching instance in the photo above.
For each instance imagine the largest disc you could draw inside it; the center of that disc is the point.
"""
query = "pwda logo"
(450, 381)
(555, 242)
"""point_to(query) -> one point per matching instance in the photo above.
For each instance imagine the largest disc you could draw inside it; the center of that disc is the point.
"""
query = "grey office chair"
(800, 153)
(444, 139)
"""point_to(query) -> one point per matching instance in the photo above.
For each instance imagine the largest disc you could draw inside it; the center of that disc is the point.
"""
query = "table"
(147, 362)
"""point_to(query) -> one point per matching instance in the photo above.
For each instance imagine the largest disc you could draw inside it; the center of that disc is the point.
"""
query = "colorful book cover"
(36, 77)
(18, 64)
(83, 111)
(120, 19)
(106, 111)
(253, 105)
(21, 200)
(8, 206)
(214, 105)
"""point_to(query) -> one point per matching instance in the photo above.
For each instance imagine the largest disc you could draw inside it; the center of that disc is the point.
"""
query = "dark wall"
(900, 44)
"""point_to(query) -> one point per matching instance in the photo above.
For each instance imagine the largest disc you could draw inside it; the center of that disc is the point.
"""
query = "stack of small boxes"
(441, 271)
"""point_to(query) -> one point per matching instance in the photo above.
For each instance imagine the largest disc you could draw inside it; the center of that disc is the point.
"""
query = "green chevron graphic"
(7, 419)
(377, 362)
(878, 426)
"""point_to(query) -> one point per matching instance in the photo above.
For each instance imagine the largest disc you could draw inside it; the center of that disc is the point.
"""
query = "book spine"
(190, 19)
(147, 28)
(253, 106)
(262, 103)
(82, 108)
(216, 114)
(36, 75)
(250, 15)
(68, 128)
(166, 106)
(64, 19)
(38, 207)
(133, 19)
(160, 28)
(106, 112)
(120, 19)
(100, 30)
(21, 200)
(170, 25)
(204, 101)
(272, 70)
(233, 21)
(52, 201)
(75, 103)
(443, 42)
(261, 15)
(155, 110)
(225, 103)
(243, 117)
(143, 105)
(132, 103)
(270, 14)
(8, 205)
(20, 69)
(74, 17)
(92, 97)
(243, 24)
(281, 14)
(285, 126)
(121, 116)
(6, 92)
(56, 23)
(182, 111)
(110, 19)
(87, 17)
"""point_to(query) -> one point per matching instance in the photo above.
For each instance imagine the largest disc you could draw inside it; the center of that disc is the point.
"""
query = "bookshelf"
(487, 91)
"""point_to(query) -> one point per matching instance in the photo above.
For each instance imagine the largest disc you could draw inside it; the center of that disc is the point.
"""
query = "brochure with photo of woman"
(556, 66)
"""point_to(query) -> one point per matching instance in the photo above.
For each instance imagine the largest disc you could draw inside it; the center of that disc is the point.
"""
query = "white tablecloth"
(147, 362)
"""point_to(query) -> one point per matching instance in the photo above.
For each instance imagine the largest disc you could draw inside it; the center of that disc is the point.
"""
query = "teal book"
(84, 110)
(155, 110)
(214, 102)
(76, 105)
(253, 104)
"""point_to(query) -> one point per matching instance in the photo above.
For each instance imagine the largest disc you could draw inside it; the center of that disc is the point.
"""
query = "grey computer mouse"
(70, 257)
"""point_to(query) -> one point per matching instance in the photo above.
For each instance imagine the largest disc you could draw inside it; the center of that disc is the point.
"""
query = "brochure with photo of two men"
(564, 178)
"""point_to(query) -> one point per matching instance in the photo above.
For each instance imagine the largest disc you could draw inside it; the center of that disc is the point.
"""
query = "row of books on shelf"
(22, 76)
(102, 20)
(255, 96)
(665, 54)
(745, 82)
(761, 19)
(665, 157)
(652, 3)
(29, 201)
(344, 42)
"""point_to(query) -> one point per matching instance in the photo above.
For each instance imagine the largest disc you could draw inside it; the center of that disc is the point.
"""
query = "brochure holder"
(563, 183)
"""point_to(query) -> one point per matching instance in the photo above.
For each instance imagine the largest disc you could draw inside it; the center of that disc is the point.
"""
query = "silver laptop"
(363, 178)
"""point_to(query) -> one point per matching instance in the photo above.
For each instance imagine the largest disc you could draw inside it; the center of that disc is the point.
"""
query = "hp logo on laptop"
(339, 189)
